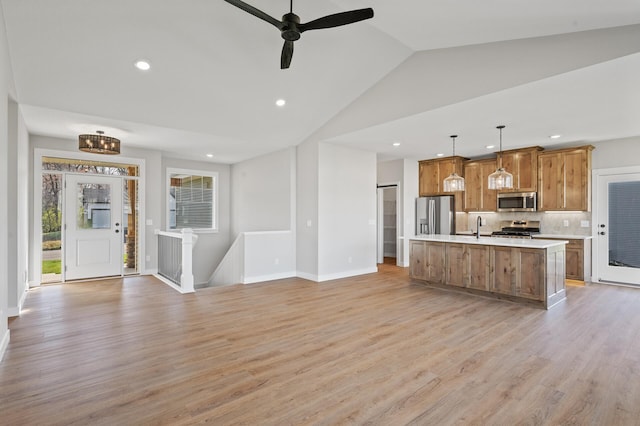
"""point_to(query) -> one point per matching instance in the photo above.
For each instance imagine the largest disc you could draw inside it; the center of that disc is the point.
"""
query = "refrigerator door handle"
(431, 217)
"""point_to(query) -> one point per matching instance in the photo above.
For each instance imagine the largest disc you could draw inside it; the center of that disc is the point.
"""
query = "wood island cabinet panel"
(456, 265)
(477, 195)
(479, 264)
(523, 165)
(417, 260)
(564, 179)
(530, 276)
(435, 255)
(504, 271)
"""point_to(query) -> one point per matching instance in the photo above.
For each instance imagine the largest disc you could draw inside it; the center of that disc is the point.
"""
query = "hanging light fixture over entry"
(454, 182)
(99, 144)
(500, 179)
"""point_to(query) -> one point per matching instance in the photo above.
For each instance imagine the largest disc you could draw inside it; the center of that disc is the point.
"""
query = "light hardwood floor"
(374, 349)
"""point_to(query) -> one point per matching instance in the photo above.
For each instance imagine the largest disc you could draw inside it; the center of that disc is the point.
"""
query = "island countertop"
(491, 241)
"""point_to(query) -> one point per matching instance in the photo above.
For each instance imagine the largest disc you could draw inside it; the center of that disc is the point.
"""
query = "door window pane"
(94, 206)
(624, 224)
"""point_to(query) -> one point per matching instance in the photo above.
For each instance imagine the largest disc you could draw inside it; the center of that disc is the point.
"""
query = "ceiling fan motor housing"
(290, 30)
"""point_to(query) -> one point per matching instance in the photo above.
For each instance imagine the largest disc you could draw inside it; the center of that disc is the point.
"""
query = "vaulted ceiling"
(415, 73)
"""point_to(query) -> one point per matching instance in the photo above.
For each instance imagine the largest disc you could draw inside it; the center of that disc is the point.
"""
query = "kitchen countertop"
(568, 237)
(489, 241)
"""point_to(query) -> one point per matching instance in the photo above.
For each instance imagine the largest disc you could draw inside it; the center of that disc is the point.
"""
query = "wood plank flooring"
(374, 349)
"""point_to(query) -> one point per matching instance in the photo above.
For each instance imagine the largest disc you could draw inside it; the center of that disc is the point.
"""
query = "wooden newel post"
(186, 279)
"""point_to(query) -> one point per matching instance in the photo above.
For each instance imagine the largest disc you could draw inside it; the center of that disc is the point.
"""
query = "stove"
(517, 229)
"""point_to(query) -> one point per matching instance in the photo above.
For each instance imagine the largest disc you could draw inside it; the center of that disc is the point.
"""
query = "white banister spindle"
(186, 279)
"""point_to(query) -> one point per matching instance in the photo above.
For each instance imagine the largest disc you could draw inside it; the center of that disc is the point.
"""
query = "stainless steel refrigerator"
(435, 215)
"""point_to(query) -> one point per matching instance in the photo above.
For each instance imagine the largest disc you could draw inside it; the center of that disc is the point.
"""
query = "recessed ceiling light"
(210, 155)
(396, 144)
(490, 146)
(440, 155)
(281, 102)
(143, 65)
(555, 136)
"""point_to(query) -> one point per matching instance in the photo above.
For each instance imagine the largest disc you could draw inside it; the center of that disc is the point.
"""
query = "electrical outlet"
(148, 258)
(584, 223)
(565, 222)
(350, 260)
(276, 261)
(308, 223)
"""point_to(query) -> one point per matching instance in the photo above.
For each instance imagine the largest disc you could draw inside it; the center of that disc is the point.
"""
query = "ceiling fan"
(290, 27)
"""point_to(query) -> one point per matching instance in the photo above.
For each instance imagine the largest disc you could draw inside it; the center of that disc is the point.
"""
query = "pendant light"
(500, 179)
(99, 144)
(454, 182)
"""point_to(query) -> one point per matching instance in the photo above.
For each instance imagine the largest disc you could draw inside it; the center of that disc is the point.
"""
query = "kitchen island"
(520, 270)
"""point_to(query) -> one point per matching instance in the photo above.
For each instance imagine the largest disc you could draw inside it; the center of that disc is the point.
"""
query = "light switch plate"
(584, 223)
(149, 222)
(565, 222)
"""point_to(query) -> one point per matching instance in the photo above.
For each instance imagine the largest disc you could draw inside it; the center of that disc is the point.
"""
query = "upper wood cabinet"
(432, 174)
(564, 179)
(523, 165)
(477, 195)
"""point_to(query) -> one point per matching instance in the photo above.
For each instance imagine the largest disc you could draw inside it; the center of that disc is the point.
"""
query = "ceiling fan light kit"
(290, 26)
(500, 179)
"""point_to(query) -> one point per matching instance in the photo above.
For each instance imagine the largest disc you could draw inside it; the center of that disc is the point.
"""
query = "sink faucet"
(478, 224)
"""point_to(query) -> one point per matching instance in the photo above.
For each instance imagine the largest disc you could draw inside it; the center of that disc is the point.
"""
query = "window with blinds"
(192, 200)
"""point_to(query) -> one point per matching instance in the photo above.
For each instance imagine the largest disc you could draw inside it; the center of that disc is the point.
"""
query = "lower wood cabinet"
(516, 273)
(578, 258)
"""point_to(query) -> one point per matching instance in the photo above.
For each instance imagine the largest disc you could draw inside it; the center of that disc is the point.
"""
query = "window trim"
(192, 172)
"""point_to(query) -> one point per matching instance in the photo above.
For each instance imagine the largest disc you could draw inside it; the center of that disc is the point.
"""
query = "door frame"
(35, 250)
(380, 187)
(596, 199)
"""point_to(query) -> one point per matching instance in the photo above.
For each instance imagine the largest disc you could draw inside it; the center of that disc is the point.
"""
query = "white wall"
(347, 212)
(616, 153)
(17, 216)
(263, 197)
(307, 210)
(211, 247)
(7, 92)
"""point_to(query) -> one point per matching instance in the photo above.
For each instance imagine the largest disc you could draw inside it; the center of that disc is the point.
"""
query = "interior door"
(618, 228)
(93, 226)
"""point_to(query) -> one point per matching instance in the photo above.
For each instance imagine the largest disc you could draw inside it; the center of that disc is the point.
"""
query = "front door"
(93, 226)
(618, 228)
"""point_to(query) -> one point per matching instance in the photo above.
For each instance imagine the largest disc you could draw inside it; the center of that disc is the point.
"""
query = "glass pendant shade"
(454, 182)
(500, 179)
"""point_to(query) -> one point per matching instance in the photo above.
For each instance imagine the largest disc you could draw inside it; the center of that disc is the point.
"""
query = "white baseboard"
(4, 343)
(14, 311)
(269, 277)
(172, 285)
(338, 275)
(34, 284)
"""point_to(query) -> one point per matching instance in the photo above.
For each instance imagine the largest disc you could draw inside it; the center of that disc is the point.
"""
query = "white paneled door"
(617, 222)
(93, 226)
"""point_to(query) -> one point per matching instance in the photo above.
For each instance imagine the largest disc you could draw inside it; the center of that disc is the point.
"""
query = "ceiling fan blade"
(337, 19)
(256, 12)
(287, 54)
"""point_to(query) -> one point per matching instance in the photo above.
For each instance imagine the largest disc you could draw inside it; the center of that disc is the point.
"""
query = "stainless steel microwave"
(517, 202)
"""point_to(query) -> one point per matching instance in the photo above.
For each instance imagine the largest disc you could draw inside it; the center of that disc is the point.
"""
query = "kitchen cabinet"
(427, 262)
(577, 256)
(477, 195)
(523, 165)
(564, 179)
(524, 271)
(432, 174)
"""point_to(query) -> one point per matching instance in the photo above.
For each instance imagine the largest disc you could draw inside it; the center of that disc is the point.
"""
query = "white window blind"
(624, 224)
(192, 201)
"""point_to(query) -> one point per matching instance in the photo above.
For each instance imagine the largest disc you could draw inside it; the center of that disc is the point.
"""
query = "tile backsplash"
(550, 223)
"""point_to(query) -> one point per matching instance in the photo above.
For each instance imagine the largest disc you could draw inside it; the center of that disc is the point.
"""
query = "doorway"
(617, 226)
(387, 235)
(89, 219)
